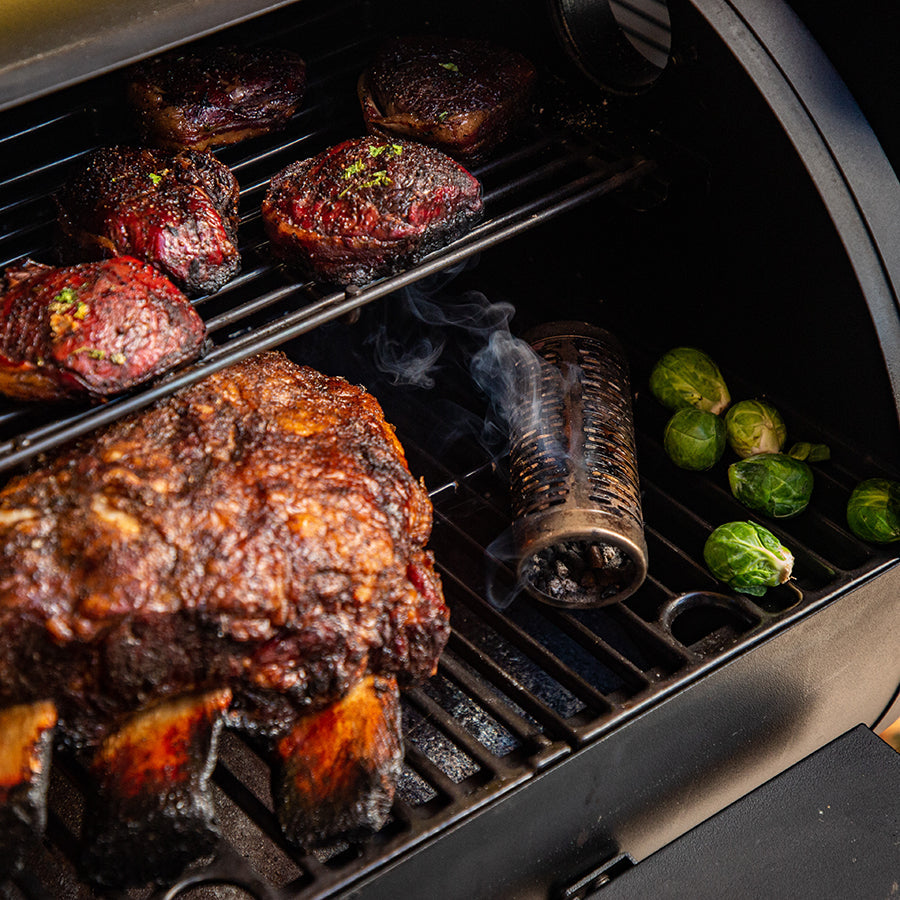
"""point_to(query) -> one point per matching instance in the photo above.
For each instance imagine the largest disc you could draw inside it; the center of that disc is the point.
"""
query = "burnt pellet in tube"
(577, 520)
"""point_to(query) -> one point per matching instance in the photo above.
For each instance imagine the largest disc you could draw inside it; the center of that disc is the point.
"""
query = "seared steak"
(368, 207)
(218, 96)
(92, 330)
(259, 531)
(463, 96)
(178, 211)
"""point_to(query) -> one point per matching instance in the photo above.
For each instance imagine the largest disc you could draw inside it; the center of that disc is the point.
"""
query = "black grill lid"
(46, 45)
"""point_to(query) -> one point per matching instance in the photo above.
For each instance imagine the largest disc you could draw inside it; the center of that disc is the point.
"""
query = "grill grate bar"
(32, 127)
(664, 645)
(533, 176)
(257, 304)
(58, 164)
(461, 738)
(532, 648)
(445, 786)
(553, 723)
(248, 189)
(698, 572)
(252, 806)
(591, 641)
(542, 750)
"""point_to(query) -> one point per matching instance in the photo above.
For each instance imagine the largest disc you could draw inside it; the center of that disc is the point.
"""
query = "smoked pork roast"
(368, 207)
(91, 330)
(220, 95)
(461, 95)
(258, 531)
(177, 211)
(250, 550)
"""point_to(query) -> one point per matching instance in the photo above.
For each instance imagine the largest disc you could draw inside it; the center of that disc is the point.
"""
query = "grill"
(555, 747)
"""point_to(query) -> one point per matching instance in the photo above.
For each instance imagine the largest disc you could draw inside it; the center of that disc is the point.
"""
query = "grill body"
(733, 203)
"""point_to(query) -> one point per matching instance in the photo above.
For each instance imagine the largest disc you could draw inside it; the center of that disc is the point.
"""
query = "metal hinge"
(597, 878)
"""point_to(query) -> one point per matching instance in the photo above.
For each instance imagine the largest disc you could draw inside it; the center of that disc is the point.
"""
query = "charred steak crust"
(259, 531)
(464, 96)
(177, 211)
(94, 329)
(368, 207)
(216, 96)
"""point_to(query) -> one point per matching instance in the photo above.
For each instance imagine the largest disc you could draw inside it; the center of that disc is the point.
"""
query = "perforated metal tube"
(578, 525)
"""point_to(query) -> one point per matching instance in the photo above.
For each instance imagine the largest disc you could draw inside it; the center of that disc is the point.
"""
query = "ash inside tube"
(578, 573)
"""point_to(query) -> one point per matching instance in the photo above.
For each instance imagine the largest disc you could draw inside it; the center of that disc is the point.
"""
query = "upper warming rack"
(545, 172)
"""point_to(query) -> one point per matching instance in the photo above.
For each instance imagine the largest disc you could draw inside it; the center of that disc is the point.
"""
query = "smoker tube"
(577, 520)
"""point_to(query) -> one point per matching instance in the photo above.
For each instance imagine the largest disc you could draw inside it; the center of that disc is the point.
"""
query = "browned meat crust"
(26, 734)
(92, 330)
(258, 531)
(337, 769)
(152, 808)
(218, 96)
(464, 96)
(178, 211)
(368, 207)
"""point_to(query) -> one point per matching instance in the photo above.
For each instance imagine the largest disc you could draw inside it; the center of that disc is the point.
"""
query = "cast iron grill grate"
(521, 685)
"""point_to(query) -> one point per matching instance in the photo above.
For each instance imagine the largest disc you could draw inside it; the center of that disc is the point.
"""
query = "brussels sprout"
(810, 452)
(694, 439)
(688, 377)
(873, 510)
(754, 426)
(772, 483)
(747, 557)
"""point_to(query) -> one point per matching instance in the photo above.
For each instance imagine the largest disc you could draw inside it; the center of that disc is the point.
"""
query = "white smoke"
(410, 345)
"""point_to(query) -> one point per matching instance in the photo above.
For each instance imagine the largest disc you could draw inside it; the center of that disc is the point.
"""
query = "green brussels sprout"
(747, 557)
(688, 377)
(873, 510)
(694, 439)
(810, 452)
(753, 426)
(772, 483)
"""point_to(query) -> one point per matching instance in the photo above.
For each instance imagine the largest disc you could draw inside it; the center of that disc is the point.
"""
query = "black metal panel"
(839, 151)
(826, 827)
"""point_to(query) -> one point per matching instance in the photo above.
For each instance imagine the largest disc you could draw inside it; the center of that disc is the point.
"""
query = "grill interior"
(522, 686)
